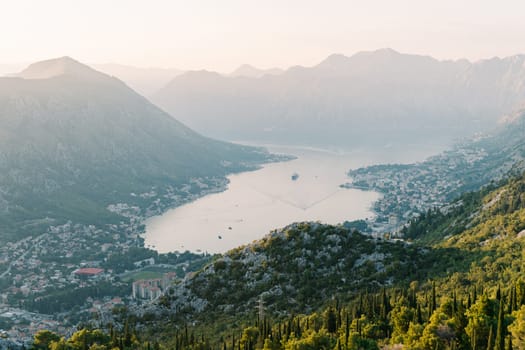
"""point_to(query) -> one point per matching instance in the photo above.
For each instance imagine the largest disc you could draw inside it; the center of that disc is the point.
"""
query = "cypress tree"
(385, 309)
(509, 304)
(331, 321)
(427, 304)
(474, 339)
(298, 330)
(454, 303)
(433, 306)
(127, 335)
(515, 299)
(419, 315)
(412, 298)
(490, 340)
(347, 330)
(500, 331)
(360, 308)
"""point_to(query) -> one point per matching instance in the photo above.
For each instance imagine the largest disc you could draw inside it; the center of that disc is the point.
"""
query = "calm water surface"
(259, 201)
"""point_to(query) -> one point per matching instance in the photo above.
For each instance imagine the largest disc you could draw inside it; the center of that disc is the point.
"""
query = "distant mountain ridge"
(249, 71)
(371, 98)
(74, 140)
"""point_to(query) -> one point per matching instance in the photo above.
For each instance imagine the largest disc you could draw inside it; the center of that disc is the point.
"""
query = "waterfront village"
(73, 272)
(409, 189)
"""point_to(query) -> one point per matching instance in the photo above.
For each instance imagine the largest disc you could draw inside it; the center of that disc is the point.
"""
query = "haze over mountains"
(74, 140)
(148, 81)
(374, 98)
(145, 81)
(9, 68)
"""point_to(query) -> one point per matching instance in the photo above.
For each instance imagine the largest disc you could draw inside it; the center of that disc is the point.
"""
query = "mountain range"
(374, 98)
(74, 140)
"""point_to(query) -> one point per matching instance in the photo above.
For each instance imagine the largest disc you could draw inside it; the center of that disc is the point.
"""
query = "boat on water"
(295, 176)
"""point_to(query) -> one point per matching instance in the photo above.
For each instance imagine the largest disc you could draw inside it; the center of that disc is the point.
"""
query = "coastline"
(257, 202)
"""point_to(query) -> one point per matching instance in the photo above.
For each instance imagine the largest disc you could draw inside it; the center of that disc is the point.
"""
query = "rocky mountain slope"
(296, 269)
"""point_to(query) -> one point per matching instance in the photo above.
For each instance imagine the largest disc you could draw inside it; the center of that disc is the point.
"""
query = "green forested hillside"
(460, 284)
(76, 141)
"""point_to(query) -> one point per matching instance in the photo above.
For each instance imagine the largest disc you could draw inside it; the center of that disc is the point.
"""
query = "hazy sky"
(222, 34)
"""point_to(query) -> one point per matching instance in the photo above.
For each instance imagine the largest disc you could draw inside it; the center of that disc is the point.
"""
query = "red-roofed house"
(88, 272)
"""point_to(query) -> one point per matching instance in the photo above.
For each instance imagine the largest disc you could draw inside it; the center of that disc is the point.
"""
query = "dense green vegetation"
(466, 290)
